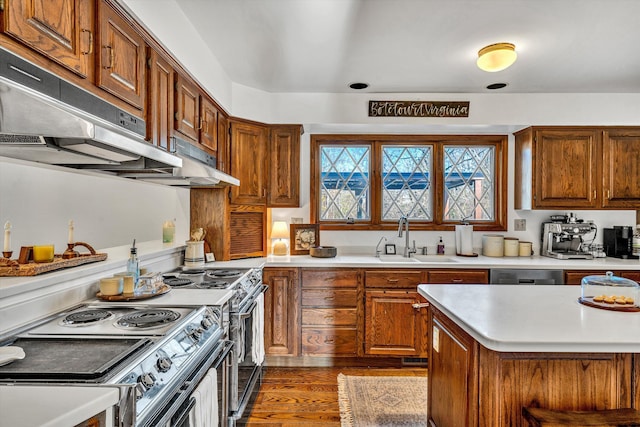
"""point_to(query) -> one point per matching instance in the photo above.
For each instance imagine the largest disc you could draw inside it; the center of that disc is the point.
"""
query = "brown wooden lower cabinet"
(282, 299)
(394, 326)
(480, 387)
(574, 277)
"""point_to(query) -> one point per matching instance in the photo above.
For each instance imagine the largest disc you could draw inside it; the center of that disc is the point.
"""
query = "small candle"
(7, 237)
(70, 232)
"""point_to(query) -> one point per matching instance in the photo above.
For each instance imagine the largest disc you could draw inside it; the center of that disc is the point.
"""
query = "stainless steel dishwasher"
(515, 276)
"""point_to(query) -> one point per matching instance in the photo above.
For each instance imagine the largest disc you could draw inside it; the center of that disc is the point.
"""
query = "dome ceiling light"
(496, 57)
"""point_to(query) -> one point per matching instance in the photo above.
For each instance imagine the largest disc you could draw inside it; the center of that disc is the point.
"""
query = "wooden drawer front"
(329, 341)
(329, 298)
(575, 277)
(459, 276)
(329, 278)
(632, 275)
(393, 278)
(329, 316)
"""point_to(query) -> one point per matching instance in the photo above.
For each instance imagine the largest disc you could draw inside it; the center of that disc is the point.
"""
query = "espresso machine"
(563, 237)
(618, 242)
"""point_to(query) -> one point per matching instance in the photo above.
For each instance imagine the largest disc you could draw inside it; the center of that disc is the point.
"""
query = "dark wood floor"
(306, 397)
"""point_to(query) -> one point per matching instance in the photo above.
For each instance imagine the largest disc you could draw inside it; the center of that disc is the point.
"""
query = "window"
(369, 182)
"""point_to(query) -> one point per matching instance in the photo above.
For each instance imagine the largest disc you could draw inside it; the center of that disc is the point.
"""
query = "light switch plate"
(520, 224)
(296, 220)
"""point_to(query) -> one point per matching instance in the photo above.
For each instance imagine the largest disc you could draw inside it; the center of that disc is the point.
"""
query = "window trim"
(500, 142)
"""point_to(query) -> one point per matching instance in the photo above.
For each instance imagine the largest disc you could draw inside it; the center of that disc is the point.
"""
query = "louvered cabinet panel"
(248, 233)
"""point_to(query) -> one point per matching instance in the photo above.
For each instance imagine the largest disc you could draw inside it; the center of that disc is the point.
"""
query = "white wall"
(107, 211)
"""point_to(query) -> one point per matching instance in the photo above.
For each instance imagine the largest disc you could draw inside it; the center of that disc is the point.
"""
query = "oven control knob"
(163, 364)
(206, 322)
(147, 380)
(196, 334)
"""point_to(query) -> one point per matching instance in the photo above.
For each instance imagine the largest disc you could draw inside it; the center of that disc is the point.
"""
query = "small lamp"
(496, 57)
(280, 231)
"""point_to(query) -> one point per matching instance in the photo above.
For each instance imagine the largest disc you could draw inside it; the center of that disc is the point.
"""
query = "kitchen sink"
(397, 258)
(434, 258)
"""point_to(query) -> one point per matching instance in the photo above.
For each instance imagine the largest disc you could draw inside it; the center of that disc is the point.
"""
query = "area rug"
(372, 401)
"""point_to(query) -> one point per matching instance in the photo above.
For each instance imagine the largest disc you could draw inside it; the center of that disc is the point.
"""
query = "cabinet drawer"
(329, 316)
(329, 341)
(329, 297)
(393, 278)
(329, 278)
(459, 276)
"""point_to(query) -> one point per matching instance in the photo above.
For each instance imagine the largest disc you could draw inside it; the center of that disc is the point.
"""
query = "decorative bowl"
(323, 251)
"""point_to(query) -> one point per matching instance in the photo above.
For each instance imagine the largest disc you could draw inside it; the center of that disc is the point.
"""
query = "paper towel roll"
(464, 239)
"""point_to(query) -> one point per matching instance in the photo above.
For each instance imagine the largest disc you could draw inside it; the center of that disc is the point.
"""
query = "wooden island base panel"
(480, 387)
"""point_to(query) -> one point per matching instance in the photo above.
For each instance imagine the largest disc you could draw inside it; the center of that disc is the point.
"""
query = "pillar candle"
(70, 232)
(7, 237)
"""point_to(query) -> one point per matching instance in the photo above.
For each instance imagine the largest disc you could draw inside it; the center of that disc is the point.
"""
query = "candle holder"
(70, 253)
(7, 254)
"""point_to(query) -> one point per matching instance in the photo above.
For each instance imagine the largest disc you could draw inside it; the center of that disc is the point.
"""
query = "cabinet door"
(393, 326)
(621, 169)
(160, 105)
(187, 108)
(281, 325)
(121, 60)
(62, 30)
(453, 371)
(209, 125)
(249, 163)
(284, 162)
(566, 169)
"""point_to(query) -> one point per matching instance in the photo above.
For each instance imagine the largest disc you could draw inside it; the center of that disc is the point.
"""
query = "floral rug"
(372, 401)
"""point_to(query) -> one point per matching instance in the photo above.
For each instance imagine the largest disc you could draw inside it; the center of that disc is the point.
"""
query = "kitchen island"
(495, 349)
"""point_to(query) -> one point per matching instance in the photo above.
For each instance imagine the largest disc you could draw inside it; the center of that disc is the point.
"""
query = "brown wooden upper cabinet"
(577, 168)
(196, 116)
(284, 162)
(62, 30)
(160, 101)
(249, 148)
(266, 160)
(121, 58)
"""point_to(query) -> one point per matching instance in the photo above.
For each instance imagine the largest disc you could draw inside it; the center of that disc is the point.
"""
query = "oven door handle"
(184, 414)
(249, 312)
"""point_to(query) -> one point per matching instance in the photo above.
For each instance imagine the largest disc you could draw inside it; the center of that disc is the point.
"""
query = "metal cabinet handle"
(393, 280)
(90, 51)
(111, 57)
(419, 305)
(329, 341)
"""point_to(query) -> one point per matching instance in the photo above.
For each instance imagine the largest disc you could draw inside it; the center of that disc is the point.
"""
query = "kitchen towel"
(464, 239)
(205, 410)
(257, 346)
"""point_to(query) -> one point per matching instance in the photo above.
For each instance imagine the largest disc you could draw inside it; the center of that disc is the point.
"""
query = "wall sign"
(418, 109)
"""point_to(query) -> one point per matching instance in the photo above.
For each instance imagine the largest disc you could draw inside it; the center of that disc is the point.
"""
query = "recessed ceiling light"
(358, 86)
(496, 57)
(494, 86)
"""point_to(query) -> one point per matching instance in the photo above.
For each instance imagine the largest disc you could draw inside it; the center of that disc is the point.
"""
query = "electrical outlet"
(435, 339)
(520, 224)
(296, 220)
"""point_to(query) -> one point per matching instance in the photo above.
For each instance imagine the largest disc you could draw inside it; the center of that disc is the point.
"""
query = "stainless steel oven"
(159, 356)
(246, 326)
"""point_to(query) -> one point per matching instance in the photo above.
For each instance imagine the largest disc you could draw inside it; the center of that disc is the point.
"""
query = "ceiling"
(422, 46)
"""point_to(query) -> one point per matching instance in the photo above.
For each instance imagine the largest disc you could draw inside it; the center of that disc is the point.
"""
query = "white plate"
(10, 353)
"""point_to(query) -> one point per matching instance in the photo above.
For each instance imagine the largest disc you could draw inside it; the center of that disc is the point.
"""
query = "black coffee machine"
(618, 242)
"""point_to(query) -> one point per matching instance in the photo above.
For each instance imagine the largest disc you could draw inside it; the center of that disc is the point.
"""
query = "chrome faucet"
(382, 239)
(407, 250)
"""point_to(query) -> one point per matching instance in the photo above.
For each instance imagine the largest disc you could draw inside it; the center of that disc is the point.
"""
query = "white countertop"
(529, 318)
(52, 406)
(450, 261)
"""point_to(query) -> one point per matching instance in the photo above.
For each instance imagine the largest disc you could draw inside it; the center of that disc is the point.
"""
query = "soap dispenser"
(440, 249)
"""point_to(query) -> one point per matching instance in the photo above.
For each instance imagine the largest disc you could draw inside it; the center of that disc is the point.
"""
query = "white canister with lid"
(493, 245)
(511, 246)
